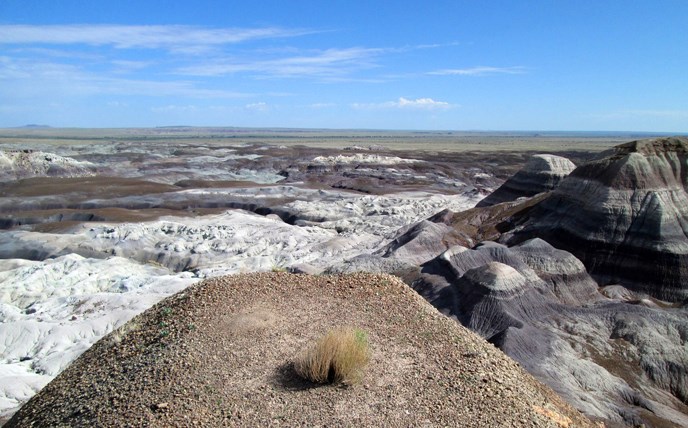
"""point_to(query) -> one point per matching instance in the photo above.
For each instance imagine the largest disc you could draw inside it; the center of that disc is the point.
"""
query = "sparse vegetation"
(338, 357)
(119, 334)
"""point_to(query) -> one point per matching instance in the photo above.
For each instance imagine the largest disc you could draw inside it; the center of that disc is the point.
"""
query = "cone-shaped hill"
(625, 215)
(541, 173)
(219, 353)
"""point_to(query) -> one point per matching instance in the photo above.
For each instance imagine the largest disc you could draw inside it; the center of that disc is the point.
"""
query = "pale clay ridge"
(332, 226)
(362, 158)
(17, 164)
(67, 304)
(25, 164)
(232, 242)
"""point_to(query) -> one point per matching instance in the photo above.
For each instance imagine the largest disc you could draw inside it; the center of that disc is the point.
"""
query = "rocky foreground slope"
(220, 353)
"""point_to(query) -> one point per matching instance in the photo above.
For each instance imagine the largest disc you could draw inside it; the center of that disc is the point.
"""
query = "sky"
(549, 65)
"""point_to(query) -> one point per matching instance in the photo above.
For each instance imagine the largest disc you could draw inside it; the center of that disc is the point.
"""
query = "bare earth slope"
(625, 216)
(219, 353)
(541, 173)
(618, 221)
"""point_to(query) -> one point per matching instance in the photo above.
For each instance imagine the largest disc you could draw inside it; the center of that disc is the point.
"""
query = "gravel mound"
(221, 351)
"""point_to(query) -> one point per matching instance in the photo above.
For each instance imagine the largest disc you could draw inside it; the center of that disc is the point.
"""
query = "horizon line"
(287, 128)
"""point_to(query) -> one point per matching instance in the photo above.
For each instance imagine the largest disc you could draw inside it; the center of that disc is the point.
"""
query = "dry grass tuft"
(338, 357)
(118, 335)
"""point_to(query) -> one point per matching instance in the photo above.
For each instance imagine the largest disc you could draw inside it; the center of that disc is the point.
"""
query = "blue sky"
(445, 65)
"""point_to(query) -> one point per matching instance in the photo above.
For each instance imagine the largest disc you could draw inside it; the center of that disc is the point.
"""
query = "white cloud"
(138, 36)
(405, 103)
(478, 71)
(421, 103)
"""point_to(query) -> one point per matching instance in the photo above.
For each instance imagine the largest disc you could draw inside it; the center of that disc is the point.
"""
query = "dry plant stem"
(337, 357)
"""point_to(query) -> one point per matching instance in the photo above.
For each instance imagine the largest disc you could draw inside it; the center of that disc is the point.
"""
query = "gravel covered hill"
(219, 353)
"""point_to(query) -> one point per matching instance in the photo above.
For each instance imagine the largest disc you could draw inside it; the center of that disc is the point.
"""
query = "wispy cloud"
(479, 71)
(405, 103)
(329, 62)
(138, 36)
(125, 66)
(157, 88)
(259, 106)
(322, 105)
(174, 108)
(28, 79)
(42, 52)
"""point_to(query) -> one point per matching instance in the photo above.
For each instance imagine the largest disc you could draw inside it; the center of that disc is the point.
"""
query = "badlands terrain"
(573, 262)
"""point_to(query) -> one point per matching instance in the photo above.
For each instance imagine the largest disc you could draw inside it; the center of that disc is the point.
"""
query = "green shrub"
(338, 357)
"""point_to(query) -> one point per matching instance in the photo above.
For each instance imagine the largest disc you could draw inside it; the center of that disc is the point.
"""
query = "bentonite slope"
(625, 215)
(541, 173)
(219, 353)
(617, 354)
(623, 361)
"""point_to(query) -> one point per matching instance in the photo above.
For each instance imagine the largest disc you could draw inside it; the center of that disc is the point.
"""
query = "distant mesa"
(541, 173)
(625, 215)
(35, 126)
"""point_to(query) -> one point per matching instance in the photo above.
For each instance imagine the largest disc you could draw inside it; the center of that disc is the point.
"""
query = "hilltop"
(219, 353)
